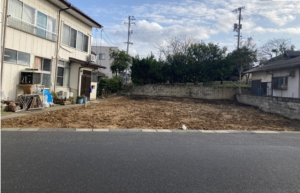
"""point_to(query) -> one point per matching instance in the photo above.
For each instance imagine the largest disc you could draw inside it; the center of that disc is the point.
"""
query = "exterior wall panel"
(293, 84)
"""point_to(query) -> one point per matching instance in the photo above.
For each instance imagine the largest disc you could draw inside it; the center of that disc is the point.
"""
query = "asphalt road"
(37, 162)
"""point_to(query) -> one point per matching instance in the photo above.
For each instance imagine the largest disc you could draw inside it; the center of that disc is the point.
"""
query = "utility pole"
(238, 27)
(130, 19)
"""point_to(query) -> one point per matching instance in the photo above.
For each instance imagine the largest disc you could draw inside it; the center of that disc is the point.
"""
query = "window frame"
(102, 58)
(84, 47)
(64, 65)
(284, 83)
(37, 28)
(17, 57)
(45, 71)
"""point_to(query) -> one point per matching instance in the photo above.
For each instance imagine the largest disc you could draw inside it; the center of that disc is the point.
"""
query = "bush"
(111, 85)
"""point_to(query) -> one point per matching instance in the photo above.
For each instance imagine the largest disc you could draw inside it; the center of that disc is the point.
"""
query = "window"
(75, 39)
(79, 41)
(15, 9)
(63, 74)
(51, 27)
(94, 77)
(44, 65)
(10, 56)
(101, 56)
(85, 43)
(280, 83)
(28, 14)
(66, 35)
(41, 21)
(16, 57)
(25, 18)
(23, 58)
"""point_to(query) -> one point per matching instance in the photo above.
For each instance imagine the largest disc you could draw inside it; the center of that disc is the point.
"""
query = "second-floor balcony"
(29, 28)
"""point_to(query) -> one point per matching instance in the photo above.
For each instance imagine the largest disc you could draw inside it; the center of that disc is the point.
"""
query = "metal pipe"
(58, 43)
(79, 78)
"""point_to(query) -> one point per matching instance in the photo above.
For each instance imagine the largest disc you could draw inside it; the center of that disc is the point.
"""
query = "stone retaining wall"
(288, 107)
(191, 91)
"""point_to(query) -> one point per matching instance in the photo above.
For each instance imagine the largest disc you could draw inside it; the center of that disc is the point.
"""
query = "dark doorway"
(85, 83)
(264, 86)
(255, 87)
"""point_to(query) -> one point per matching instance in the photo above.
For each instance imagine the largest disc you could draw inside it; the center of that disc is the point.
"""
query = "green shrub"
(111, 85)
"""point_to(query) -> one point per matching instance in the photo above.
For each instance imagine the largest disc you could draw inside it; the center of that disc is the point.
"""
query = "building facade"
(52, 38)
(103, 59)
(278, 78)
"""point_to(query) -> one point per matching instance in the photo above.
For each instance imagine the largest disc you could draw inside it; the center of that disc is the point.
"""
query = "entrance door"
(85, 83)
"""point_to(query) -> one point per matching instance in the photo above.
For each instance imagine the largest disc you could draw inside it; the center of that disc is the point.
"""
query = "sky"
(204, 20)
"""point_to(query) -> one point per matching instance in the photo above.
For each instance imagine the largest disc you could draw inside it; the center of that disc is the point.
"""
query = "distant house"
(279, 78)
(52, 38)
(103, 59)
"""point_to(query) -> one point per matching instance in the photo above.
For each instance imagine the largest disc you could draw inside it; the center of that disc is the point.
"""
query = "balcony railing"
(29, 28)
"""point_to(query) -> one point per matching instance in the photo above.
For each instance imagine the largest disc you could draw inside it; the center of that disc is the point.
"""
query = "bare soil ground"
(122, 112)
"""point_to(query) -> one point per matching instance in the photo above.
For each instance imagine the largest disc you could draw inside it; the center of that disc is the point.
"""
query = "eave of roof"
(76, 12)
(87, 64)
(277, 65)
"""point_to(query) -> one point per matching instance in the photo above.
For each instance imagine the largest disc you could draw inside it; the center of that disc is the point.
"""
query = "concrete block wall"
(183, 91)
(288, 107)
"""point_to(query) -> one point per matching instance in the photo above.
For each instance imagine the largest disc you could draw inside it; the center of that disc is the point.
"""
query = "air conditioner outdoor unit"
(92, 58)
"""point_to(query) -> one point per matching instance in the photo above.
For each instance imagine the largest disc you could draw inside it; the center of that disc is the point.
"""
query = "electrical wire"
(109, 38)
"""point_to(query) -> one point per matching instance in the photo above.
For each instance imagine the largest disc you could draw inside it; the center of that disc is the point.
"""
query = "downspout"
(78, 86)
(58, 43)
(270, 72)
(3, 45)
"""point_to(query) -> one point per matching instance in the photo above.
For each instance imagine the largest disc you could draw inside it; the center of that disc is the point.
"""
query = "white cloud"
(294, 31)
(202, 20)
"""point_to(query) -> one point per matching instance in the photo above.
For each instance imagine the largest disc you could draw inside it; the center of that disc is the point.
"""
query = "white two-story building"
(50, 37)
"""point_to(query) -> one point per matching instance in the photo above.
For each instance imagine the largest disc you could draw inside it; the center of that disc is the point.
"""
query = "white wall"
(93, 95)
(25, 42)
(293, 84)
(36, 46)
(263, 76)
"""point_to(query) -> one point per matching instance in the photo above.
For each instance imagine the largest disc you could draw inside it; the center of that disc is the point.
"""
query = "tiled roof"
(292, 53)
(277, 65)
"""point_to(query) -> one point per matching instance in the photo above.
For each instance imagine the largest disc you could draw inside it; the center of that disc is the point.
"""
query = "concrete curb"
(145, 131)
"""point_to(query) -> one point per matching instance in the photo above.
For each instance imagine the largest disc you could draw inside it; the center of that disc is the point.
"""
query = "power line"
(109, 38)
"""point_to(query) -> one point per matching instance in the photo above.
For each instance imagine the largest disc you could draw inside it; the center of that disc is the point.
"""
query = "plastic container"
(49, 96)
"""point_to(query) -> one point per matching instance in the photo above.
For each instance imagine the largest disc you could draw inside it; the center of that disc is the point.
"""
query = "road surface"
(149, 162)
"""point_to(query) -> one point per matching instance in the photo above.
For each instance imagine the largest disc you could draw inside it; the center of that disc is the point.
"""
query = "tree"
(206, 62)
(274, 48)
(121, 61)
(251, 45)
(175, 45)
(241, 58)
(146, 71)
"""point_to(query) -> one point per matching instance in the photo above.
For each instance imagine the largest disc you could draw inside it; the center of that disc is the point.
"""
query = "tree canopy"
(197, 62)
(121, 61)
(274, 48)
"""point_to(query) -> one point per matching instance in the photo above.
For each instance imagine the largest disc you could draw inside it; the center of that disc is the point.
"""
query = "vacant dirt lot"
(122, 112)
